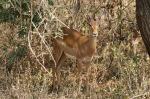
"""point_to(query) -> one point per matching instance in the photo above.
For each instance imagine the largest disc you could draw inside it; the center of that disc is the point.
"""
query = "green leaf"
(50, 2)
(36, 19)
(8, 15)
(25, 7)
(22, 33)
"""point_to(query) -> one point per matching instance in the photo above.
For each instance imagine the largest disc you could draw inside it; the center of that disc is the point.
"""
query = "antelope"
(76, 45)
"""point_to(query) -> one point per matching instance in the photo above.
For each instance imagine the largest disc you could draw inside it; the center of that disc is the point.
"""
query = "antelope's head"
(92, 21)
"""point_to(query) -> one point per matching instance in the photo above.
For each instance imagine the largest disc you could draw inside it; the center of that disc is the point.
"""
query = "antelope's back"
(71, 36)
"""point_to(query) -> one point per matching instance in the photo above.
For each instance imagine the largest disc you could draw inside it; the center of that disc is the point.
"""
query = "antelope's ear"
(93, 17)
(89, 20)
(92, 20)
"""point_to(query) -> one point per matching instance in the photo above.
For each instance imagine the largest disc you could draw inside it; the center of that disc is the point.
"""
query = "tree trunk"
(143, 21)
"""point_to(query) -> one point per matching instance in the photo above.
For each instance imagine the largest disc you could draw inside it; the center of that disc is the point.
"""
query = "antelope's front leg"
(87, 65)
(54, 76)
(86, 76)
(79, 68)
(82, 67)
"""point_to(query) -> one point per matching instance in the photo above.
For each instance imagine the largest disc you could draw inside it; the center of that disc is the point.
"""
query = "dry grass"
(120, 69)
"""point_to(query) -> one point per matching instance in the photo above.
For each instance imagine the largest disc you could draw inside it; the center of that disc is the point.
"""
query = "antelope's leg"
(78, 71)
(87, 65)
(87, 71)
(57, 54)
(54, 76)
(79, 67)
(60, 62)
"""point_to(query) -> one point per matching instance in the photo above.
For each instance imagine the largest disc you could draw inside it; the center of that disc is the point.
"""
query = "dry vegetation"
(120, 69)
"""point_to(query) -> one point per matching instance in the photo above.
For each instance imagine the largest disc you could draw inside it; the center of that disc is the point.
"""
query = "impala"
(74, 44)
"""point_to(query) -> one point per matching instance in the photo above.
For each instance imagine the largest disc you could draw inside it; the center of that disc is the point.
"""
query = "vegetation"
(120, 69)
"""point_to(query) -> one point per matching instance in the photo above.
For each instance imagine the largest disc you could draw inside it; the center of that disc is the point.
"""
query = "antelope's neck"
(93, 41)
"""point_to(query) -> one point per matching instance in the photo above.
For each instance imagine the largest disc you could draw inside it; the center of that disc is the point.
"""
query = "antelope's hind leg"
(57, 54)
(58, 73)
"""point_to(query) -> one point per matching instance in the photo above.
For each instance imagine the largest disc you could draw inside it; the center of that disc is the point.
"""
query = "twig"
(54, 17)
(140, 95)
(29, 43)
(43, 40)
(32, 51)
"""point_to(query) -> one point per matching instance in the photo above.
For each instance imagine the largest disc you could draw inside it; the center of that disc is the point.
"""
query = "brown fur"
(74, 44)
